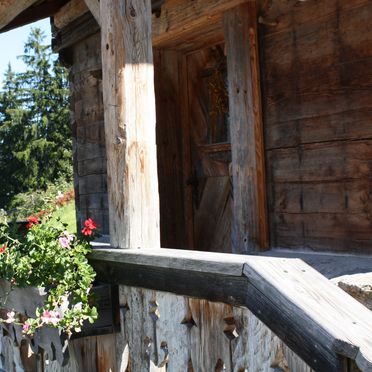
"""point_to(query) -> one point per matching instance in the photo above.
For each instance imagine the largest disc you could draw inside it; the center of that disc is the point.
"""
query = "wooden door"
(209, 157)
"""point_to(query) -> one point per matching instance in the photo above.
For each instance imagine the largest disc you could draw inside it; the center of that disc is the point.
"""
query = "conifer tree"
(35, 139)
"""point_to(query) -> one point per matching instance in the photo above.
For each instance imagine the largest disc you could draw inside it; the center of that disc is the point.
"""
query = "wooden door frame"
(250, 223)
(249, 215)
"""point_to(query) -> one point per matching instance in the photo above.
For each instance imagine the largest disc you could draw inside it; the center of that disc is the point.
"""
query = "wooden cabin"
(213, 127)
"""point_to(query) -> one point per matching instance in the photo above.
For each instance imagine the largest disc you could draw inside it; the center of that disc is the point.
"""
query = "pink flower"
(66, 239)
(65, 243)
(3, 248)
(25, 327)
(50, 317)
(11, 317)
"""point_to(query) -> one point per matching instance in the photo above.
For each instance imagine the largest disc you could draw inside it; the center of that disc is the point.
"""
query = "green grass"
(67, 215)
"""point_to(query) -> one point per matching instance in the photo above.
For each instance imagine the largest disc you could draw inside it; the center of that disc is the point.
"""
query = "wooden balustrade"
(320, 323)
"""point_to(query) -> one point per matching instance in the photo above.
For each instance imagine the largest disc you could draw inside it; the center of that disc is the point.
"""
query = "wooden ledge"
(316, 319)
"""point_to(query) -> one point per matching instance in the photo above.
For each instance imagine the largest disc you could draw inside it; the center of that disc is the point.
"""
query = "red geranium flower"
(3, 248)
(86, 231)
(89, 226)
(31, 221)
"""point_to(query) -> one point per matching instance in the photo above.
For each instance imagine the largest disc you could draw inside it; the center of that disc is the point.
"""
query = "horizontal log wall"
(88, 132)
(317, 89)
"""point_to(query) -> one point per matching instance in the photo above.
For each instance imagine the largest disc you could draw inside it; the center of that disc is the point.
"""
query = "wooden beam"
(129, 103)
(180, 18)
(249, 229)
(34, 13)
(321, 323)
(9, 9)
(94, 8)
(68, 13)
(77, 30)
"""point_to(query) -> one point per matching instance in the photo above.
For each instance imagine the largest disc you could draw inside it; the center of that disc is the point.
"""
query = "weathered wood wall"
(177, 333)
(316, 87)
(165, 332)
(88, 132)
(317, 98)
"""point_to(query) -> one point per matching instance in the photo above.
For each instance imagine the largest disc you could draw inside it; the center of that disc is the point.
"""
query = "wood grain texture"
(207, 157)
(94, 8)
(195, 332)
(317, 85)
(129, 101)
(310, 314)
(69, 12)
(224, 264)
(248, 169)
(179, 18)
(313, 304)
(9, 9)
(78, 30)
(89, 151)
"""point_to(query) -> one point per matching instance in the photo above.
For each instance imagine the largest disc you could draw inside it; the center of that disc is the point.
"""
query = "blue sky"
(11, 45)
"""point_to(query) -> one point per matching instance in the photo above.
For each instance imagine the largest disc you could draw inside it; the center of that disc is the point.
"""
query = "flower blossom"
(11, 317)
(50, 317)
(31, 221)
(3, 248)
(25, 327)
(89, 226)
(66, 239)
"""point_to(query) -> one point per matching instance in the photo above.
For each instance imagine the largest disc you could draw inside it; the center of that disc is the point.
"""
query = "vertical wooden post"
(129, 102)
(249, 230)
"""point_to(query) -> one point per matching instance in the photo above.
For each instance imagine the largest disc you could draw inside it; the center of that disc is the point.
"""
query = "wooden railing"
(319, 322)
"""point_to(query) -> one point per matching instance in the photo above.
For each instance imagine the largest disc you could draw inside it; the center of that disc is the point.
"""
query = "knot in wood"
(119, 140)
(132, 11)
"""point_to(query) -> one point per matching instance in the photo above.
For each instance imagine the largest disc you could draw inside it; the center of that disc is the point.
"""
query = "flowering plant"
(50, 257)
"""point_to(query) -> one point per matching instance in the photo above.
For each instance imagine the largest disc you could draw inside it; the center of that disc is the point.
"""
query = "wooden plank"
(94, 8)
(349, 197)
(345, 27)
(249, 228)
(290, 13)
(340, 232)
(312, 302)
(129, 101)
(106, 356)
(316, 319)
(321, 162)
(208, 338)
(178, 18)
(9, 9)
(327, 124)
(34, 13)
(69, 12)
(76, 31)
(196, 333)
(220, 263)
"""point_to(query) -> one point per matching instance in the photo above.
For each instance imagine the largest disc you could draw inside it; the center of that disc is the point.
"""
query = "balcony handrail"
(319, 321)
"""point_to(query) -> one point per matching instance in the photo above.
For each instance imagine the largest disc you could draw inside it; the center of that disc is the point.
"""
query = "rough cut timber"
(320, 322)
(180, 18)
(249, 207)
(94, 8)
(129, 104)
(68, 13)
(9, 9)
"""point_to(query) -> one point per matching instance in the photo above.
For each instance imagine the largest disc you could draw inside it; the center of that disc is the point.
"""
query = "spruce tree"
(35, 139)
